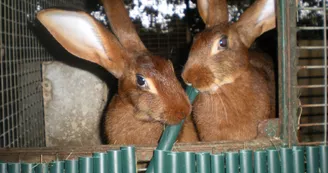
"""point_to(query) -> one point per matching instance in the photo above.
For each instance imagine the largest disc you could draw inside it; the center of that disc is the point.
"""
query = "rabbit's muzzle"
(200, 77)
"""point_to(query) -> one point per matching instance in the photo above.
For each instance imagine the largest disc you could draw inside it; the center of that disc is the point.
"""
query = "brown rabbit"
(236, 85)
(149, 94)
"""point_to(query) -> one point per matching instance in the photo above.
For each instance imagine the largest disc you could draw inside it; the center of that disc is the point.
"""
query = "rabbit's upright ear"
(122, 26)
(213, 12)
(83, 36)
(256, 20)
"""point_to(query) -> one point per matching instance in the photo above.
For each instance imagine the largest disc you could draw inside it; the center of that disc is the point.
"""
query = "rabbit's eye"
(141, 81)
(223, 42)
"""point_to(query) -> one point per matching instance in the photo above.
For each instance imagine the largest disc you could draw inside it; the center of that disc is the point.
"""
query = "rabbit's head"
(219, 54)
(146, 81)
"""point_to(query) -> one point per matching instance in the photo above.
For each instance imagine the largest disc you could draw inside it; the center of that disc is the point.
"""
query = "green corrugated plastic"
(271, 160)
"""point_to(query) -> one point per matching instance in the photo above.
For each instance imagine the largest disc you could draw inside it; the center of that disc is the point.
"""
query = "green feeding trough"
(309, 159)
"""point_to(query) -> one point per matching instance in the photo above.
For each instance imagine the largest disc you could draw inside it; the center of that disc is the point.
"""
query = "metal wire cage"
(22, 120)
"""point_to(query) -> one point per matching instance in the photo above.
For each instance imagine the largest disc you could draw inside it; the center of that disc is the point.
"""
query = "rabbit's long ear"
(122, 26)
(83, 36)
(213, 12)
(257, 19)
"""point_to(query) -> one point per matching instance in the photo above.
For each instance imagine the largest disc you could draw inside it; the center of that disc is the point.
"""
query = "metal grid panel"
(312, 72)
(21, 120)
(172, 44)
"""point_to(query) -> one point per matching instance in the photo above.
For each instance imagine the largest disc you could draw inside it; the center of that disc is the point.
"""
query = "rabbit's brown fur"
(236, 85)
(149, 94)
(138, 117)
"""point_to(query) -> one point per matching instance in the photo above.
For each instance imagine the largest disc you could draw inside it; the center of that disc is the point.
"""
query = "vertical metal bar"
(23, 78)
(1, 76)
(17, 34)
(325, 70)
(6, 71)
(287, 73)
(11, 75)
(281, 23)
(19, 82)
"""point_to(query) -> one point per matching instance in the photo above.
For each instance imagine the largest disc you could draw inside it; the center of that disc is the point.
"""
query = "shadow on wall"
(76, 64)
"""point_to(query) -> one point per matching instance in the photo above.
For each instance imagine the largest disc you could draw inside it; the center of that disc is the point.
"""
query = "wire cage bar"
(286, 20)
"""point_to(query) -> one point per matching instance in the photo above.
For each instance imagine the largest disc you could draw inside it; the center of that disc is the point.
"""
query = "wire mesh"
(22, 117)
(312, 72)
(21, 120)
(171, 44)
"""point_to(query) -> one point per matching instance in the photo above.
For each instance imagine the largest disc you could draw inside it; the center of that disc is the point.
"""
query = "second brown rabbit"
(236, 85)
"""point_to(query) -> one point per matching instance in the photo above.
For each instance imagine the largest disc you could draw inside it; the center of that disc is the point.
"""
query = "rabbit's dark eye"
(223, 42)
(141, 81)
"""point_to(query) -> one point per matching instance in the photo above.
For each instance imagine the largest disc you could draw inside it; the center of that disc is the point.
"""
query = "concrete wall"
(74, 100)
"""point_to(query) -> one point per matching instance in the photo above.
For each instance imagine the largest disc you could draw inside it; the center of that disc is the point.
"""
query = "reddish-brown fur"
(138, 113)
(153, 111)
(236, 85)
